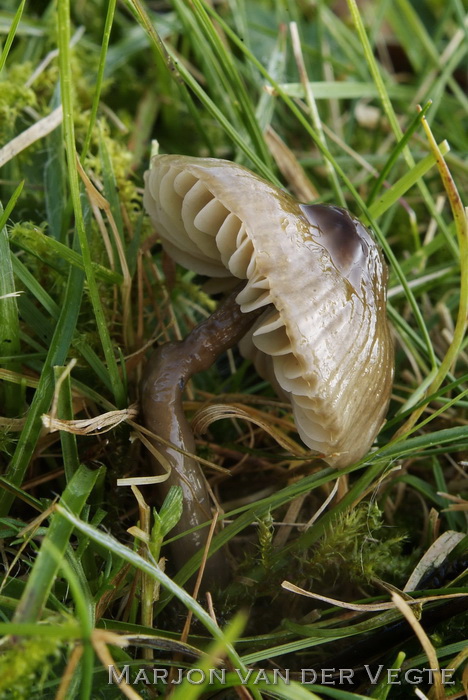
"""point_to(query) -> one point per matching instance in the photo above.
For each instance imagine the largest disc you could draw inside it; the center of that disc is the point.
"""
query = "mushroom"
(313, 275)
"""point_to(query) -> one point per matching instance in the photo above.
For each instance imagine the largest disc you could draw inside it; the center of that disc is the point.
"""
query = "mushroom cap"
(323, 340)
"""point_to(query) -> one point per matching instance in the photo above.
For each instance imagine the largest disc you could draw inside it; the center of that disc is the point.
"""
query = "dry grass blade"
(101, 639)
(67, 677)
(459, 503)
(373, 607)
(460, 661)
(100, 202)
(291, 169)
(10, 295)
(29, 136)
(324, 505)
(420, 694)
(142, 480)
(141, 432)
(210, 414)
(91, 426)
(426, 644)
(12, 424)
(435, 555)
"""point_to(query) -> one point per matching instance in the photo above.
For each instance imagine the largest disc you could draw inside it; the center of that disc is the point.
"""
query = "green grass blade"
(63, 19)
(9, 321)
(399, 189)
(187, 690)
(11, 35)
(100, 76)
(52, 251)
(76, 578)
(71, 460)
(345, 90)
(120, 550)
(389, 110)
(395, 154)
(5, 213)
(40, 404)
(235, 83)
(425, 442)
(42, 576)
(199, 92)
(34, 287)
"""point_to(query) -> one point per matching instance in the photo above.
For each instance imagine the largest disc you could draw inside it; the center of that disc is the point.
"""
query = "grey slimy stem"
(167, 371)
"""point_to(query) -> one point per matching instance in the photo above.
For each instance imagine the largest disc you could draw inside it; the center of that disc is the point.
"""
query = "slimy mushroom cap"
(323, 340)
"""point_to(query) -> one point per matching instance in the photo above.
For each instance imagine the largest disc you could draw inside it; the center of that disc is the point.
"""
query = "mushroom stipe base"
(167, 371)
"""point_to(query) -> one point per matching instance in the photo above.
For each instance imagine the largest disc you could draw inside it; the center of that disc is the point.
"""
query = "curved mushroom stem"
(168, 369)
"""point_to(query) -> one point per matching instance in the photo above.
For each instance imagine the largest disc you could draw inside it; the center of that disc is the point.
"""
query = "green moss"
(121, 159)
(26, 666)
(14, 98)
(358, 548)
(265, 539)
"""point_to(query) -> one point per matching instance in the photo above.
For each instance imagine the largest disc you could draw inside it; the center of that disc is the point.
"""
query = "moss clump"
(358, 548)
(14, 97)
(26, 666)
